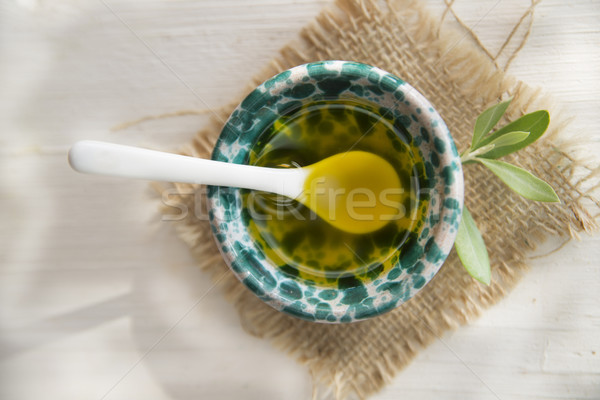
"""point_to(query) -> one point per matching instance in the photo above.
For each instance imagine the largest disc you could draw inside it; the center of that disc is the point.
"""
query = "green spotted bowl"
(411, 268)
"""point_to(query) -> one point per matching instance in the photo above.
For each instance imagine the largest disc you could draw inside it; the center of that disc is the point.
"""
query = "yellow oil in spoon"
(356, 192)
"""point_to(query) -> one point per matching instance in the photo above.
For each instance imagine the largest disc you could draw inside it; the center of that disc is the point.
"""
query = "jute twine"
(460, 79)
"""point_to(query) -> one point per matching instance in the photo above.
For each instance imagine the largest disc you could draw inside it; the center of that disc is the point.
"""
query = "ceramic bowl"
(351, 299)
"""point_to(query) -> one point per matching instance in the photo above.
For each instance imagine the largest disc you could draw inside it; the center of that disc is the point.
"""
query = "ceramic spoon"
(357, 191)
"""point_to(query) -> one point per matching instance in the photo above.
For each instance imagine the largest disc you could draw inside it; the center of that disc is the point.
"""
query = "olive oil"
(344, 191)
(307, 246)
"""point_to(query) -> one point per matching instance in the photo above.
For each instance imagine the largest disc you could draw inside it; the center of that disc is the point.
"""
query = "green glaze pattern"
(350, 297)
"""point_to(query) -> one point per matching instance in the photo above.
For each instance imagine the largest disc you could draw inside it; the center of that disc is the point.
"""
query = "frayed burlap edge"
(460, 80)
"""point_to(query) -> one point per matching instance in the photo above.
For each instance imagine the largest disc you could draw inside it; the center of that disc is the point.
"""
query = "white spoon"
(325, 187)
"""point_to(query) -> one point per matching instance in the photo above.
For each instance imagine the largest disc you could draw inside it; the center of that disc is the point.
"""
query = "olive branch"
(485, 149)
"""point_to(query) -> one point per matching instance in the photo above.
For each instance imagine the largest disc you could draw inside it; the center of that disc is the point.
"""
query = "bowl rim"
(353, 302)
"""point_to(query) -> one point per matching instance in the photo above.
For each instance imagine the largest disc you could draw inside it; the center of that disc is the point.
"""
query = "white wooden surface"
(99, 300)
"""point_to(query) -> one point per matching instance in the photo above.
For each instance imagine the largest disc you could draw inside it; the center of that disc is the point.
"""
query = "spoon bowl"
(357, 191)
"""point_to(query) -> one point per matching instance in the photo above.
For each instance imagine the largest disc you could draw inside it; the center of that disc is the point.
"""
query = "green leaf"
(487, 120)
(521, 181)
(471, 249)
(535, 123)
(509, 138)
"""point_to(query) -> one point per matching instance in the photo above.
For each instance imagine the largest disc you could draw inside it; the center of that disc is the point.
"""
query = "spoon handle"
(133, 162)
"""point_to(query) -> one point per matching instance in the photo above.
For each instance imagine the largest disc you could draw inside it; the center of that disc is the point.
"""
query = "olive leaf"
(486, 121)
(509, 138)
(523, 182)
(471, 249)
(535, 123)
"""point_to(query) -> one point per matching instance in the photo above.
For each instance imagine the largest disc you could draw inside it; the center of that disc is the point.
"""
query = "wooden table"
(100, 300)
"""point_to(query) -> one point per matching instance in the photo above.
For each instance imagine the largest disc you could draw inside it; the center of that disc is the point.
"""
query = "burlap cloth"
(460, 80)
